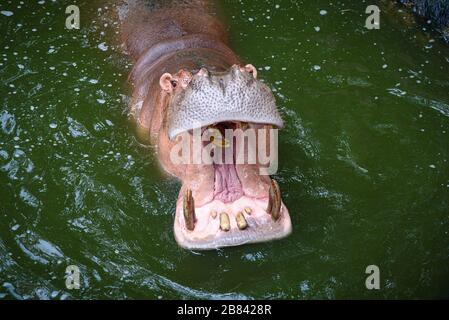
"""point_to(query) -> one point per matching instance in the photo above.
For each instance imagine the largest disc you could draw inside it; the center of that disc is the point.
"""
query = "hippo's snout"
(235, 95)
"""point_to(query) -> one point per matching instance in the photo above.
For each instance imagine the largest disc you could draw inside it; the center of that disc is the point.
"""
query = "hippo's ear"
(251, 69)
(167, 82)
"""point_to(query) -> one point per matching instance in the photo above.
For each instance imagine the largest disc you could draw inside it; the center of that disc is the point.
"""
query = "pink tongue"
(227, 183)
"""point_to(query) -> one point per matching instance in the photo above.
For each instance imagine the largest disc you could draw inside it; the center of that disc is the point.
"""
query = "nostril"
(174, 83)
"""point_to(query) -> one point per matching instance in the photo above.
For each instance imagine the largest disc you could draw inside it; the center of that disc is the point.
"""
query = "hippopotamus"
(187, 79)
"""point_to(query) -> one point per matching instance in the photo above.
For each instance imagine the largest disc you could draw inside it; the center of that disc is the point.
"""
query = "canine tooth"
(270, 201)
(225, 224)
(274, 200)
(241, 221)
(189, 210)
(248, 210)
(213, 214)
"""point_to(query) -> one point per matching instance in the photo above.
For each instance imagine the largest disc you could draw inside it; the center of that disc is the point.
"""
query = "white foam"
(6, 13)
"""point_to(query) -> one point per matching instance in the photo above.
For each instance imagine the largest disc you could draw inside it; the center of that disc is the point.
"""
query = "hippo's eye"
(174, 83)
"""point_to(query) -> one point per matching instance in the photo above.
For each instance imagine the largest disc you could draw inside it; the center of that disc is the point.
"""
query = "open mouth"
(229, 204)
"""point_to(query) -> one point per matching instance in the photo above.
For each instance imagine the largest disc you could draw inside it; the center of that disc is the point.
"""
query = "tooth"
(270, 201)
(241, 221)
(274, 200)
(213, 214)
(225, 224)
(189, 210)
(248, 210)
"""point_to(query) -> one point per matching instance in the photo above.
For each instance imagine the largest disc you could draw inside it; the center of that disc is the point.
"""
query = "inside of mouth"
(227, 184)
(228, 203)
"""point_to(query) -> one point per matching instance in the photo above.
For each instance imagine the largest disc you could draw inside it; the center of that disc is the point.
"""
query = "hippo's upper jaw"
(225, 147)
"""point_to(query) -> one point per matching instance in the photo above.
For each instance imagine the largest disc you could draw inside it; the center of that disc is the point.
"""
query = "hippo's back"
(146, 23)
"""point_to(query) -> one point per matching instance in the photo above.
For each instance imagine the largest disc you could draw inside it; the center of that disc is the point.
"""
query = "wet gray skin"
(219, 97)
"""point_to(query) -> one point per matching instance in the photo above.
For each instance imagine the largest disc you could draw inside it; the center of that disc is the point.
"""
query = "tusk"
(241, 221)
(274, 200)
(225, 224)
(189, 210)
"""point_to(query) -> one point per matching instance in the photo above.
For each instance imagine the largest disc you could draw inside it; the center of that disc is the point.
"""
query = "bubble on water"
(109, 122)
(432, 166)
(384, 66)
(267, 68)
(93, 81)
(317, 29)
(304, 286)
(65, 296)
(323, 12)
(277, 6)
(4, 154)
(76, 129)
(20, 66)
(251, 19)
(28, 198)
(8, 122)
(397, 92)
(15, 227)
(6, 13)
(101, 101)
(102, 46)
(53, 125)
(316, 67)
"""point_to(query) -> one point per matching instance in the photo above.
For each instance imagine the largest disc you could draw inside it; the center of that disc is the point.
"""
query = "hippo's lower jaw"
(222, 224)
(226, 227)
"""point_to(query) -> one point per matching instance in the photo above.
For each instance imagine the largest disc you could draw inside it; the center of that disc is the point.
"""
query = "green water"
(363, 160)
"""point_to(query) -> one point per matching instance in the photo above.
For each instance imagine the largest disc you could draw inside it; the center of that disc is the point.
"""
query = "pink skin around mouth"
(208, 235)
(233, 189)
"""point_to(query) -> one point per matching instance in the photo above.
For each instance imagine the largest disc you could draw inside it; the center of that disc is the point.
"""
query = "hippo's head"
(222, 129)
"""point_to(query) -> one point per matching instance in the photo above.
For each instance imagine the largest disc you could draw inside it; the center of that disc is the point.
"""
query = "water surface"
(363, 159)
